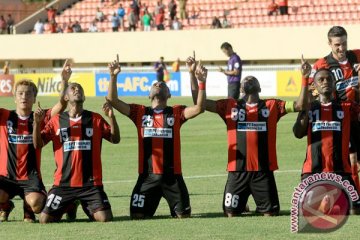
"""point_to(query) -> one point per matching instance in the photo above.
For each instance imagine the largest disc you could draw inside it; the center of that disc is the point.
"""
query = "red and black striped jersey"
(159, 138)
(77, 148)
(18, 158)
(251, 131)
(328, 137)
(345, 75)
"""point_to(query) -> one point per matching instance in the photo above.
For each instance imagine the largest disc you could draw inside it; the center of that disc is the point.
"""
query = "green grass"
(203, 153)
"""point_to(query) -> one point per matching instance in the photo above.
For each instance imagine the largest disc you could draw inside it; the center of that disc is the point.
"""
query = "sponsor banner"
(288, 83)
(136, 84)
(49, 84)
(6, 85)
(216, 83)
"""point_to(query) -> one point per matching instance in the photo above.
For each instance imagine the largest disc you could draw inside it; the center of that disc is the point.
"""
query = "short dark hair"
(326, 70)
(226, 45)
(336, 31)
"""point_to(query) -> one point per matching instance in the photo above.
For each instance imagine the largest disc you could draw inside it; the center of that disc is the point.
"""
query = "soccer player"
(342, 64)
(159, 146)
(251, 126)
(19, 160)
(77, 137)
(233, 72)
(326, 123)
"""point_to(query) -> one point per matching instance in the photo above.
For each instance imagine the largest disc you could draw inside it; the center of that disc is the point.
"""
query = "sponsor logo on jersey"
(252, 126)
(351, 82)
(158, 132)
(326, 126)
(20, 139)
(77, 145)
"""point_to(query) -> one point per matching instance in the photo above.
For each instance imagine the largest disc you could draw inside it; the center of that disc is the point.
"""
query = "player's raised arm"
(210, 105)
(115, 131)
(61, 105)
(302, 102)
(357, 69)
(199, 107)
(39, 116)
(114, 70)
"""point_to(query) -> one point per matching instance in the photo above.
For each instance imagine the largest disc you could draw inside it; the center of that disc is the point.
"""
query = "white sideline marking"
(191, 177)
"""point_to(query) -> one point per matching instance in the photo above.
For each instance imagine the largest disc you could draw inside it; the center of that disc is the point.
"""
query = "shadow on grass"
(248, 214)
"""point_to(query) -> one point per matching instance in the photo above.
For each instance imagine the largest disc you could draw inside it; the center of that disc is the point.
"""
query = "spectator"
(176, 25)
(172, 11)
(100, 16)
(176, 65)
(59, 29)
(3, 25)
(51, 13)
(226, 23)
(283, 6)
(160, 69)
(10, 24)
(6, 69)
(39, 27)
(272, 8)
(146, 20)
(136, 6)
(183, 14)
(76, 27)
(132, 20)
(160, 8)
(115, 22)
(159, 21)
(121, 14)
(216, 23)
(93, 27)
(52, 26)
(194, 14)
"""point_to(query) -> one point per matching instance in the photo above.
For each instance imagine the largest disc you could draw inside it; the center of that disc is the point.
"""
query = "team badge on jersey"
(170, 121)
(89, 132)
(265, 112)
(340, 114)
(9, 125)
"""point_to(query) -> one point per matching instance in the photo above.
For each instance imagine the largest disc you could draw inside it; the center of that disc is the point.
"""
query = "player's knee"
(36, 203)
(45, 218)
(103, 216)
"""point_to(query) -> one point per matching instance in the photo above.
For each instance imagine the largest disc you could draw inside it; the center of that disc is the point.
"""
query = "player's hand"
(305, 67)
(114, 67)
(221, 70)
(39, 114)
(201, 72)
(191, 64)
(66, 71)
(107, 109)
(357, 68)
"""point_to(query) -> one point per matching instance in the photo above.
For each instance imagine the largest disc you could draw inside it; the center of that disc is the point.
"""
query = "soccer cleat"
(6, 208)
(29, 215)
(72, 210)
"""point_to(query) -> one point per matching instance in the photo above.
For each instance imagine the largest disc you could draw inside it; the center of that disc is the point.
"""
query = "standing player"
(343, 64)
(159, 147)
(233, 71)
(19, 161)
(251, 126)
(77, 137)
(327, 126)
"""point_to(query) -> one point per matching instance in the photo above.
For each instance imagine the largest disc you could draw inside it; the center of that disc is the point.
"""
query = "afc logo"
(148, 121)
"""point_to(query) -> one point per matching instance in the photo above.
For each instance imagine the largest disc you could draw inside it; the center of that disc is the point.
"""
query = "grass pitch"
(204, 159)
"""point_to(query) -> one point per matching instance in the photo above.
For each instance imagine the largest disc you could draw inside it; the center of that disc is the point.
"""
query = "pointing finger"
(194, 54)
(66, 63)
(117, 57)
(302, 59)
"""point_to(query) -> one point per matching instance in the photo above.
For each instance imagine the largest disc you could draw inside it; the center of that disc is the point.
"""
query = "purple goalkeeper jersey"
(234, 63)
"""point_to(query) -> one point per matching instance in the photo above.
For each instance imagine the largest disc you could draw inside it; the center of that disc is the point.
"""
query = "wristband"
(201, 86)
(304, 82)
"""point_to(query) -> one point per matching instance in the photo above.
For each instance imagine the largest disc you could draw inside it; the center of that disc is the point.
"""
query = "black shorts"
(348, 177)
(94, 199)
(234, 90)
(151, 187)
(21, 188)
(261, 185)
(355, 138)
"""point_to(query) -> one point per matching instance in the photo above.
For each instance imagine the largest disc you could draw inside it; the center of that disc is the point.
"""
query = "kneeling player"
(77, 136)
(159, 147)
(327, 127)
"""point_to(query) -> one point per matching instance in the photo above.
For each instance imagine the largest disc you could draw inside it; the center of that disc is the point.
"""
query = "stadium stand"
(241, 14)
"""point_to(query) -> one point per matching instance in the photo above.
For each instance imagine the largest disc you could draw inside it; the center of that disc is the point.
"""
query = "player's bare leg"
(354, 170)
(6, 206)
(46, 218)
(103, 216)
(36, 201)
